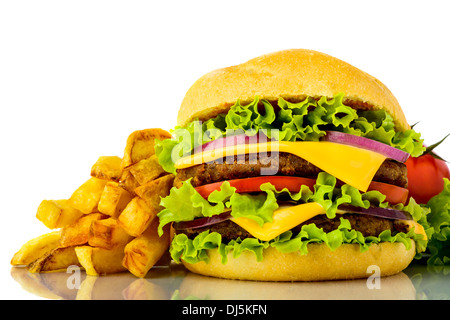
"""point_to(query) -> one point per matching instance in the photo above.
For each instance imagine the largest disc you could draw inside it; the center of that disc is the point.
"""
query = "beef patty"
(367, 225)
(391, 171)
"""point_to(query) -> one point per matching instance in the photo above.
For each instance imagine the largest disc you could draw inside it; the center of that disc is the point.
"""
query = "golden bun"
(345, 263)
(292, 75)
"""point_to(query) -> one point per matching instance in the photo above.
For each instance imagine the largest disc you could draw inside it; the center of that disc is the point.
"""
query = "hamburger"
(290, 167)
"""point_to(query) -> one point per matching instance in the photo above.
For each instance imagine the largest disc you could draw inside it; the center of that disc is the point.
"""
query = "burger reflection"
(177, 283)
(394, 287)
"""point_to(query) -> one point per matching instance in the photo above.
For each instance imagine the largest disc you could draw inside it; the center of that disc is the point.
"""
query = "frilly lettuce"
(195, 250)
(186, 204)
(439, 219)
(304, 120)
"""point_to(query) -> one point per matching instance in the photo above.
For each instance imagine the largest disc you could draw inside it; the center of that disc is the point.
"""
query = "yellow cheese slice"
(284, 219)
(352, 165)
(418, 228)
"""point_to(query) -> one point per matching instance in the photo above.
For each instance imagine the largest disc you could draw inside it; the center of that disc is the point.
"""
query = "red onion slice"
(385, 213)
(366, 143)
(201, 222)
(233, 140)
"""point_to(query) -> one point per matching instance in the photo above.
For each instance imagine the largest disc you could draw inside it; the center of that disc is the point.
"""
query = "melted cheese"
(418, 228)
(352, 165)
(284, 219)
(289, 217)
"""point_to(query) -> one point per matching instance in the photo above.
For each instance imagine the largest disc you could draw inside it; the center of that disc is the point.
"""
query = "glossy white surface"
(174, 282)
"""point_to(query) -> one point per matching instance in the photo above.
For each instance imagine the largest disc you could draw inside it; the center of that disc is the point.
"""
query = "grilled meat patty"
(391, 171)
(367, 225)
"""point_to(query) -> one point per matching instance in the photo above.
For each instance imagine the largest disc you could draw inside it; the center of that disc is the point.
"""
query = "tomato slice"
(245, 185)
(394, 194)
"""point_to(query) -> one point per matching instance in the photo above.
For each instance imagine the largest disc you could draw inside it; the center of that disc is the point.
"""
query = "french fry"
(104, 214)
(147, 170)
(128, 182)
(107, 168)
(140, 145)
(78, 232)
(143, 252)
(136, 217)
(98, 261)
(36, 248)
(87, 196)
(57, 213)
(57, 259)
(154, 190)
(113, 200)
(107, 234)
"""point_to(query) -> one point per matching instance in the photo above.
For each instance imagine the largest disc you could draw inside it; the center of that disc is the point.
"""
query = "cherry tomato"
(425, 177)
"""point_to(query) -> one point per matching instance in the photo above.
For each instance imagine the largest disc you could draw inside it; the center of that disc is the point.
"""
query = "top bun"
(292, 75)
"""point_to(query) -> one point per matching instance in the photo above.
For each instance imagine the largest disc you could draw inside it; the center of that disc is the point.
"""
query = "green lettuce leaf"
(186, 204)
(306, 120)
(195, 250)
(439, 219)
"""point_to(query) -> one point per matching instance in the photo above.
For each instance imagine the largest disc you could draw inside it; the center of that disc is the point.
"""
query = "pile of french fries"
(109, 224)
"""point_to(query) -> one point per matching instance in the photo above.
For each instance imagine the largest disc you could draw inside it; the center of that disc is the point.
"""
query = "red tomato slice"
(393, 193)
(245, 185)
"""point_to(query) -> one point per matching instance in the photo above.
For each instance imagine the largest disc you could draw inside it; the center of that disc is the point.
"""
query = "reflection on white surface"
(120, 286)
(395, 287)
(175, 282)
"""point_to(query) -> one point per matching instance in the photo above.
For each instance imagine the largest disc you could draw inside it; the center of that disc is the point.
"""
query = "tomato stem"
(429, 150)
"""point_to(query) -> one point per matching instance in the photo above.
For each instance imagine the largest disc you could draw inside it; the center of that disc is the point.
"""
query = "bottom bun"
(346, 262)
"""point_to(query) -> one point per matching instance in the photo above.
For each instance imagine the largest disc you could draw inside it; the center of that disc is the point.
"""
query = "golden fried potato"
(36, 248)
(136, 217)
(87, 196)
(141, 145)
(78, 232)
(56, 214)
(107, 234)
(143, 252)
(128, 182)
(97, 261)
(114, 199)
(107, 168)
(147, 170)
(154, 190)
(57, 259)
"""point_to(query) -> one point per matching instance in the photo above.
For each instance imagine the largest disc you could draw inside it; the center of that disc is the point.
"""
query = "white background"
(77, 77)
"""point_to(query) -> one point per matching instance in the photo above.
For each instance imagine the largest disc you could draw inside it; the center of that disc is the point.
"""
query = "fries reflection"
(159, 284)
